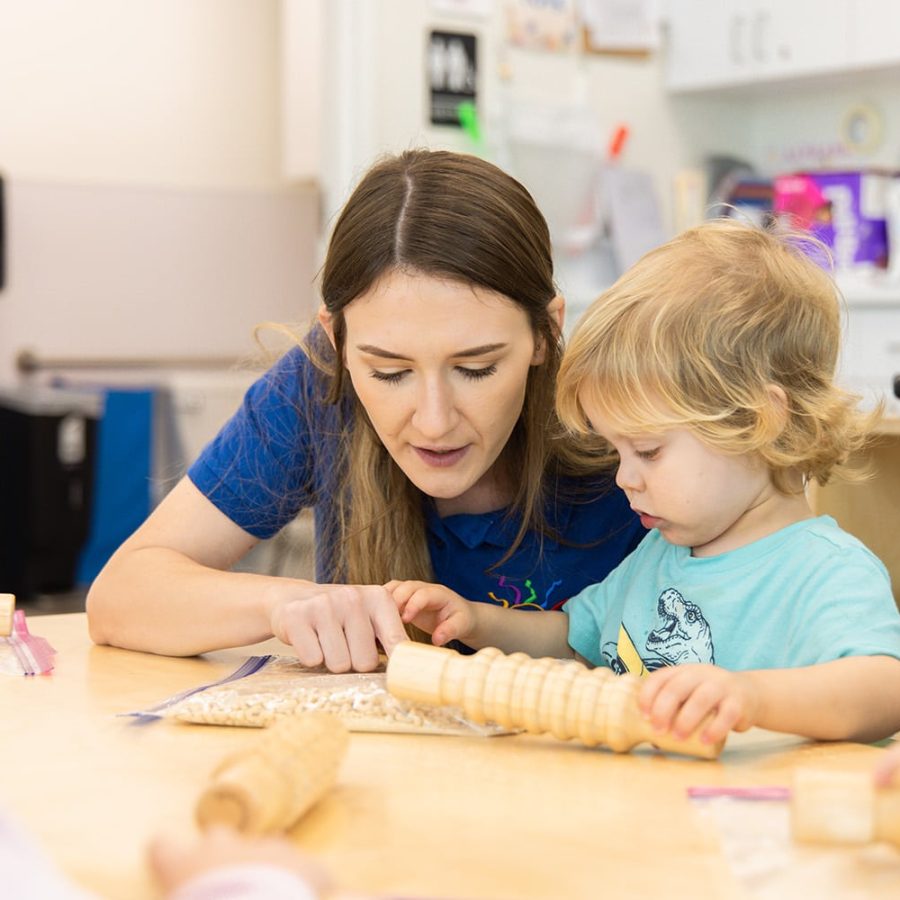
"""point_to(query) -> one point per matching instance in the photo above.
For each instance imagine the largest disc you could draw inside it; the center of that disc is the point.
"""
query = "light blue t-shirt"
(807, 594)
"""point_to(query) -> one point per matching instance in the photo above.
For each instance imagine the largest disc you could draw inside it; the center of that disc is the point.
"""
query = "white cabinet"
(704, 46)
(798, 37)
(742, 42)
(875, 33)
(870, 356)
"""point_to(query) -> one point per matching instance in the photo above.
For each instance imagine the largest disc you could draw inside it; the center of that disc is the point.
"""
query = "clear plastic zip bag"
(266, 687)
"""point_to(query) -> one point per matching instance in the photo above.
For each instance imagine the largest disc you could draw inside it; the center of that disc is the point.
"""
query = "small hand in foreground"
(677, 699)
(174, 863)
(339, 626)
(887, 772)
(443, 613)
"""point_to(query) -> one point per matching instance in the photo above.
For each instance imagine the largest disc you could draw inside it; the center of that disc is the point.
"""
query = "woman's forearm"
(170, 589)
(158, 600)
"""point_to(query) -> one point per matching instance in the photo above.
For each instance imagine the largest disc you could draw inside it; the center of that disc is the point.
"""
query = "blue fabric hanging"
(121, 496)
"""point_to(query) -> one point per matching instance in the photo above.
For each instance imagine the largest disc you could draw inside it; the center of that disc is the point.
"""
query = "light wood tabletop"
(425, 816)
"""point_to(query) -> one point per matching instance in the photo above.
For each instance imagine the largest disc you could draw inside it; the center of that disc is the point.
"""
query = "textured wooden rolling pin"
(562, 697)
(843, 808)
(7, 608)
(269, 786)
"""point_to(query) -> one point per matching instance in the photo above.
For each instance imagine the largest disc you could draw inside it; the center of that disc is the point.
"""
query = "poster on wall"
(452, 71)
(627, 27)
(551, 25)
(472, 9)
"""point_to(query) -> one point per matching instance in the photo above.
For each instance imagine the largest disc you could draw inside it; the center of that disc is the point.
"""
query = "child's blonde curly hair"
(696, 335)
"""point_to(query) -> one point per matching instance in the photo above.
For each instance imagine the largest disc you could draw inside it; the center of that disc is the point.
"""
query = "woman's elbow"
(97, 612)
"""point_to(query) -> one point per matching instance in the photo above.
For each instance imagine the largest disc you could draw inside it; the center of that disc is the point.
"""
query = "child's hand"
(887, 772)
(175, 863)
(678, 698)
(443, 613)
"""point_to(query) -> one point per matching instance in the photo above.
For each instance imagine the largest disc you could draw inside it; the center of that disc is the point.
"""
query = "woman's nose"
(435, 414)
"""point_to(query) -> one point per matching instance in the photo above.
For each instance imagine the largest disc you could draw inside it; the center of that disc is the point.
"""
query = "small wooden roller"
(562, 697)
(270, 786)
(843, 808)
(7, 608)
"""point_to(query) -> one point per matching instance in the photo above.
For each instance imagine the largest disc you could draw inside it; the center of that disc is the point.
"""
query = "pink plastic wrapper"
(24, 653)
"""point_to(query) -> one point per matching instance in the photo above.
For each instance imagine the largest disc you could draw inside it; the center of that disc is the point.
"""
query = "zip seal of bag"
(24, 653)
(155, 713)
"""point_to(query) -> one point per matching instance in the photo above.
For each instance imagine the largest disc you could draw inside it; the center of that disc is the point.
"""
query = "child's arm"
(855, 698)
(447, 616)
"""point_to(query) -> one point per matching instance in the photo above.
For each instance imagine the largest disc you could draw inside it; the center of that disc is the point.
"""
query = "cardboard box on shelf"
(844, 210)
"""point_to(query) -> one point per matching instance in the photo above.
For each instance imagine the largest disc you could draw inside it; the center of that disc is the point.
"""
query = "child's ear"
(557, 311)
(327, 322)
(778, 402)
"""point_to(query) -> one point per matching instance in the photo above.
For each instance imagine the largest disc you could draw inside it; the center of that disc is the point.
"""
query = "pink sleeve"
(246, 882)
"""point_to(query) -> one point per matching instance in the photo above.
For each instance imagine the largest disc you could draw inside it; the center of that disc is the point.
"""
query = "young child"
(708, 371)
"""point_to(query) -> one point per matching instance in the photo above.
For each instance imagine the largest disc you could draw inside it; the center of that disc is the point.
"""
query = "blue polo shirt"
(277, 454)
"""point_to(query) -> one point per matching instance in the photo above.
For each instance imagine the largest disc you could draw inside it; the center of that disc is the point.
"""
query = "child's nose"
(627, 477)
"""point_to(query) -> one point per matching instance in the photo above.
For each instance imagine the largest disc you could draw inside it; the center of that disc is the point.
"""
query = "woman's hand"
(677, 699)
(174, 864)
(337, 625)
(443, 613)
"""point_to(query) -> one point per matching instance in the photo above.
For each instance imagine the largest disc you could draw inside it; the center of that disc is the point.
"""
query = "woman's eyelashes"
(472, 374)
(647, 454)
(477, 374)
(389, 377)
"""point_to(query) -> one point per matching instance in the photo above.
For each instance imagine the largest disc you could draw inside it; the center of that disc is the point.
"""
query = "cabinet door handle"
(760, 25)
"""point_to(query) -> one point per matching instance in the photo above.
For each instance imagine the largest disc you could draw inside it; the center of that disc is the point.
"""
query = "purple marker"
(771, 792)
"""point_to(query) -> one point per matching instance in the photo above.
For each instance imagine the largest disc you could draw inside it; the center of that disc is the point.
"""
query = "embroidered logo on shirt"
(525, 596)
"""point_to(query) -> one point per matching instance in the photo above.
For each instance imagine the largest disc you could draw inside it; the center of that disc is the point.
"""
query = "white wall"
(115, 271)
(802, 125)
(171, 92)
(147, 211)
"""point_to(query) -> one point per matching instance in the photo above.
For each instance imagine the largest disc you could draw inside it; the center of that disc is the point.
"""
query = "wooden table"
(508, 817)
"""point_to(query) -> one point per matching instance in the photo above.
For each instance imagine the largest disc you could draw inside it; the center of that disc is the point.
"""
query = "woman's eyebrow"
(372, 350)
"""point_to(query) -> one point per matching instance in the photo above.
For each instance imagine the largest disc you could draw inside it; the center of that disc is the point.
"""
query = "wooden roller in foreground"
(843, 808)
(562, 697)
(269, 786)
(7, 608)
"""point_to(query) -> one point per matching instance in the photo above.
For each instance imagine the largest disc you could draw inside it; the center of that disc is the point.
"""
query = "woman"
(416, 418)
